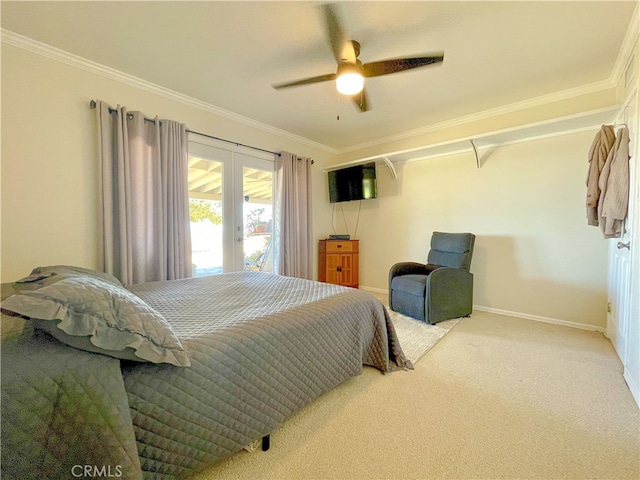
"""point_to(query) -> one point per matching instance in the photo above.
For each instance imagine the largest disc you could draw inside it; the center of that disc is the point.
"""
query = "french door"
(231, 208)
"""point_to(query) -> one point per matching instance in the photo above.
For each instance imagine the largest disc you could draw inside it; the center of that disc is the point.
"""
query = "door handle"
(624, 245)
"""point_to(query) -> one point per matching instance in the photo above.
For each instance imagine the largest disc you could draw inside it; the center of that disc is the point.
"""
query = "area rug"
(417, 337)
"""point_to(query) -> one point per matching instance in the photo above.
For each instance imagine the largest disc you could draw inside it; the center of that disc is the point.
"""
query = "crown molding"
(34, 46)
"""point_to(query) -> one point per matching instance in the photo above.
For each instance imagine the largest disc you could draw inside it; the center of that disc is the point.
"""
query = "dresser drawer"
(338, 246)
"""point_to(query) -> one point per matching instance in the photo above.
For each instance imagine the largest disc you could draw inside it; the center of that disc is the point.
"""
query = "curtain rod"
(93, 104)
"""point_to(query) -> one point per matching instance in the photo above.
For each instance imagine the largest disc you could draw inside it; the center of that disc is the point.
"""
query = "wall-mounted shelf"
(474, 144)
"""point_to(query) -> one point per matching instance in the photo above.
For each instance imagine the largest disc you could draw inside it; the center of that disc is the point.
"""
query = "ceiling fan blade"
(385, 67)
(343, 49)
(361, 100)
(306, 81)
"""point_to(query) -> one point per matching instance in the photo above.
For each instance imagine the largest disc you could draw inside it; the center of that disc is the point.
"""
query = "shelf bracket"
(389, 163)
(475, 151)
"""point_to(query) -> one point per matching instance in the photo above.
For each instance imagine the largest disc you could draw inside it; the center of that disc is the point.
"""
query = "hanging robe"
(598, 153)
(614, 187)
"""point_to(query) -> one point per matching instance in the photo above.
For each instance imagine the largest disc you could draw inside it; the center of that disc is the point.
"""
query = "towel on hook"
(598, 153)
(614, 187)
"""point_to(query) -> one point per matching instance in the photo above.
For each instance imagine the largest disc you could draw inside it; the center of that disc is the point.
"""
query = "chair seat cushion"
(411, 284)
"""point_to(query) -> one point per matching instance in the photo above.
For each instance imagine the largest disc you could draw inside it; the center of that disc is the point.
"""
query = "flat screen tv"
(353, 183)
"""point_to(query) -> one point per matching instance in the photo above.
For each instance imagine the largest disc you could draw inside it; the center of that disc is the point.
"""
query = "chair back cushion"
(451, 250)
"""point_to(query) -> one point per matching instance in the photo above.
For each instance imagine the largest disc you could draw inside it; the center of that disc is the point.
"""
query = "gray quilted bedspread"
(62, 409)
(261, 347)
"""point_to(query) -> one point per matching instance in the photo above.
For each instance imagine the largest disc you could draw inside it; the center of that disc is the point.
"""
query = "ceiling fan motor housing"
(350, 78)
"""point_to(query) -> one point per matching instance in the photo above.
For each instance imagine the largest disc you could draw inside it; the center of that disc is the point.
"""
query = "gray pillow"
(92, 314)
(40, 273)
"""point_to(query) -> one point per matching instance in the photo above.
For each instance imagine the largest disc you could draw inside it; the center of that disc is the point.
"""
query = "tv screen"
(353, 183)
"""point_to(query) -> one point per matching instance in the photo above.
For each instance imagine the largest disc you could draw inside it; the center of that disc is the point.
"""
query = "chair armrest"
(449, 293)
(407, 268)
(410, 268)
(450, 277)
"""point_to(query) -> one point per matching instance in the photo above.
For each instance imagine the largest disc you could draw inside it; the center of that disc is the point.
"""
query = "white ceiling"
(228, 54)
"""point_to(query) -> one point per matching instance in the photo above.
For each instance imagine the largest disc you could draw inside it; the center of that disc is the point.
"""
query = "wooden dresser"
(338, 262)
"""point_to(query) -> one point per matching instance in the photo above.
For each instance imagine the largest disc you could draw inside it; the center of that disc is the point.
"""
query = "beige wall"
(49, 165)
(534, 252)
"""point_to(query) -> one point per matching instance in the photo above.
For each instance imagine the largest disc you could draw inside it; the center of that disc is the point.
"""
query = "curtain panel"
(144, 209)
(294, 240)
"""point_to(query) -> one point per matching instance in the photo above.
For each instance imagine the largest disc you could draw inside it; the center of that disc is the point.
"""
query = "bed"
(253, 349)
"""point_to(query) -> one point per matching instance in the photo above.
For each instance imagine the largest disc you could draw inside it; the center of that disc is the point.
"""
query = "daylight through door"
(231, 209)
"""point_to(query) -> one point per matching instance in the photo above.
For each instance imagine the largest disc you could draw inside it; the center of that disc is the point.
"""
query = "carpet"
(418, 337)
(499, 398)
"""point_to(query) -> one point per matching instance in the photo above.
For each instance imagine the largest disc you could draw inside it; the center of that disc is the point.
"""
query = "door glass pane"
(205, 211)
(257, 191)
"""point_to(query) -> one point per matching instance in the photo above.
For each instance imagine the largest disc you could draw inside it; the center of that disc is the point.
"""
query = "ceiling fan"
(351, 71)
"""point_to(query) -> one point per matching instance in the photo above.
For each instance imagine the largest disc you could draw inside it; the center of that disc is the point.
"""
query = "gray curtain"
(293, 254)
(144, 215)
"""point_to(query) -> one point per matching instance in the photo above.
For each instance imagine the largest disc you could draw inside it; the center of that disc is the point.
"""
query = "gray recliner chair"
(442, 288)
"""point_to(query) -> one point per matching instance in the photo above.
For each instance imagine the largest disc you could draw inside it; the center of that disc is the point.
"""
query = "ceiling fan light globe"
(350, 83)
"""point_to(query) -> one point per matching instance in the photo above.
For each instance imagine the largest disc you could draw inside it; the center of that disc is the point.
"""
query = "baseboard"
(633, 386)
(509, 313)
(375, 290)
(540, 318)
